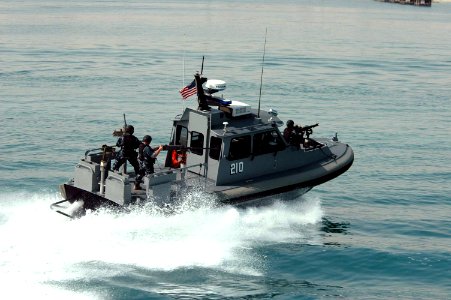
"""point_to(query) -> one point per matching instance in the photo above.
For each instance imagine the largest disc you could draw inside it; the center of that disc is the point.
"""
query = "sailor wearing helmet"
(289, 132)
(293, 134)
(147, 156)
(128, 143)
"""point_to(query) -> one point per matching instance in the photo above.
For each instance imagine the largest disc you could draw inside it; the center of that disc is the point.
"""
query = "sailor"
(128, 143)
(293, 134)
(289, 133)
(147, 157)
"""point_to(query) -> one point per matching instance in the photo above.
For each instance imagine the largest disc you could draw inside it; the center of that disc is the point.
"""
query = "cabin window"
(197, 143)
(215, 147)
(267, 142)
(181, 136)
(240, 147)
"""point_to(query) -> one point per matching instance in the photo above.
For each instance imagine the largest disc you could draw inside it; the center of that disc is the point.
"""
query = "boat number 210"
(236, 168)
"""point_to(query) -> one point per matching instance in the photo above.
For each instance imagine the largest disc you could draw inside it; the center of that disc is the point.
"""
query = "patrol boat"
(234, 152)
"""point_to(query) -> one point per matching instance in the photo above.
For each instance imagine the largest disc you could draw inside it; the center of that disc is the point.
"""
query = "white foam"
(40, 246)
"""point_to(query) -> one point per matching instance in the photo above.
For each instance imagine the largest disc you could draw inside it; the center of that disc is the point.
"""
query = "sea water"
(378, 74)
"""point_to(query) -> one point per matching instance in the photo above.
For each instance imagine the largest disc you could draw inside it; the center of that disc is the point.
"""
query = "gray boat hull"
(254, 192)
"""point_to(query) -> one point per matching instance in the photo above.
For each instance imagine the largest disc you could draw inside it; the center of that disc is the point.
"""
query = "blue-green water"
(378, 74)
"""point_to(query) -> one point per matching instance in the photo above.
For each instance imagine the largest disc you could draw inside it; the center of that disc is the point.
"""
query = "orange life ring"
(178, 158)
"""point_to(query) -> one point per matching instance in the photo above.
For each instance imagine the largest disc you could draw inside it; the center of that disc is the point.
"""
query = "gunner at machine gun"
(128, 144)
(307, 130)
(298, 135)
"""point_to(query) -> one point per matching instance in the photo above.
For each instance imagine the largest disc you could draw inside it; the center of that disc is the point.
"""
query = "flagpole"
(183, 71)
(202, 68)
(183, 64)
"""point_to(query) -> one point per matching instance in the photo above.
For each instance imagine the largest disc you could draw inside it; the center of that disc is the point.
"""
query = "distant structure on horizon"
(410, 2)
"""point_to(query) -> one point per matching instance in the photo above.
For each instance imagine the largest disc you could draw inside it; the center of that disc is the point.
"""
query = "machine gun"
(184, 148)
(174, 147)
(121, 131)
(307, 130)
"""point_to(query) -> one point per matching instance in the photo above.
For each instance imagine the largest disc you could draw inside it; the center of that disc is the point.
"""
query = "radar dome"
(214, 85)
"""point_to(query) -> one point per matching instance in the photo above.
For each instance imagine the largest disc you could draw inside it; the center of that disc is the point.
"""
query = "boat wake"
(42, 250)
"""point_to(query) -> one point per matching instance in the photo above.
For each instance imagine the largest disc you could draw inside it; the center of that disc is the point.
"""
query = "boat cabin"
(226, 146)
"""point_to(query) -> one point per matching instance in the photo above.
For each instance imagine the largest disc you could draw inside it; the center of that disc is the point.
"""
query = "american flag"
(189, 90)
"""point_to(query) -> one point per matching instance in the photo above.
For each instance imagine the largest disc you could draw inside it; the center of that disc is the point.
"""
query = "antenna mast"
(261, 75)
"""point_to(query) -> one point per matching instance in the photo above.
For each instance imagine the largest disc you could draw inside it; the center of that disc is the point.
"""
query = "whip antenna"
(261, 75)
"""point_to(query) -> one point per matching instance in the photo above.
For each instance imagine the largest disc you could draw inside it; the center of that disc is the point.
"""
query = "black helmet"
(129, 129)
(147, 138)
(290, 123)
